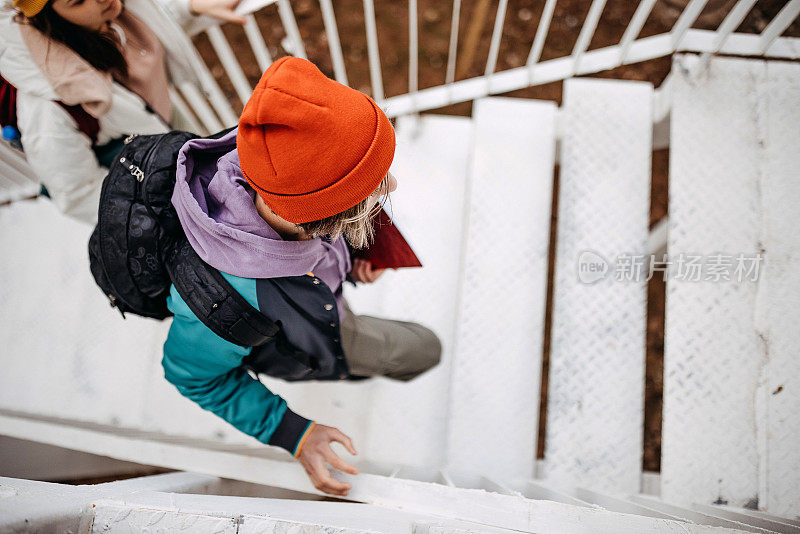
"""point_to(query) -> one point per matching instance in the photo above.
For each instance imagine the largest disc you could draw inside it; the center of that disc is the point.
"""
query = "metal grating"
(496, 372)
(595, 395)
(713, 358)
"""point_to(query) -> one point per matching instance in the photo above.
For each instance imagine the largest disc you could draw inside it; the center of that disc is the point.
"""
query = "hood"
(39, 66)
(17, 64)
(217, 210)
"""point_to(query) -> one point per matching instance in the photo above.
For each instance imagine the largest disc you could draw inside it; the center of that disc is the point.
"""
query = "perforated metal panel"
(595, 395)
(408, 421)
(496, 372)
(778, 301)
(66, 351)
(713, 357)
(394, 421)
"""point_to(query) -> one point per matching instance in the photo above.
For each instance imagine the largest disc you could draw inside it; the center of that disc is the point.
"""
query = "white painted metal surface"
(712, 356)
(408, 421)
(731, 400)
(135, 505)
(595, 395)
(494, 396)
(744, 422)
(392, 421)
(82, 361)
(631, 49)
(778, 294)
(65, 351)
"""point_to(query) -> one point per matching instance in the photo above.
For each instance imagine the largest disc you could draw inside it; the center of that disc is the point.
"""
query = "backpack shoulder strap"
(215, 302)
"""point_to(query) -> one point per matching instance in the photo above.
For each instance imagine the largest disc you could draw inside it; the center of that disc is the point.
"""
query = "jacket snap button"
(215, 306)
(343, 376)
(333, 325)
(336, 340)
(340, 356)
(316, 281)
(329, 307)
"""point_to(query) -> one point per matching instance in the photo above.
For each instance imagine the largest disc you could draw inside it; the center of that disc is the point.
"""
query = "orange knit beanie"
(312, 147)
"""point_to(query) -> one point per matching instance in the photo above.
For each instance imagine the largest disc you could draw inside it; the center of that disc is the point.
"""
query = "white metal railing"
(213, 110)
(630, 49)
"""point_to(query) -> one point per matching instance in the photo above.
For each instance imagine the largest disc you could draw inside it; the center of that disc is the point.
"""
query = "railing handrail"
(630, 49)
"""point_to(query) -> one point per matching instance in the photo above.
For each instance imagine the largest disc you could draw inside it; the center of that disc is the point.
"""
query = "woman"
(88, 73)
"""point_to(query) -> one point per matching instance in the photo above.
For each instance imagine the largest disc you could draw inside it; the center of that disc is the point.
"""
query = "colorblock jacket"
(296, 283)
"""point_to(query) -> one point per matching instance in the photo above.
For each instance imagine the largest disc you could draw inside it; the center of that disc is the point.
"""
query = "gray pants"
(395, 349)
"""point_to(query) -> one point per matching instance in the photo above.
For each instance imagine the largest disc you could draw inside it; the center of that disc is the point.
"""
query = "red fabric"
(311, 146)
(390, 249)
(86, 123)
(8, 104)
(8, 112)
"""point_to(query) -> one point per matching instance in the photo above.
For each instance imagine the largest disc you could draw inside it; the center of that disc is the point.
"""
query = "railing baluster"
(335, 46)
(452, 49)
(290, 25)
(686, 20)
(587, 31)
(413, 47)
(263, 57)
(201, 107)
(376, 78)
(634, 27)
(778, 25)
(211, 89)
(229, 63)
(497, 33)
(731, 22)
(179, 104)
(541, 33)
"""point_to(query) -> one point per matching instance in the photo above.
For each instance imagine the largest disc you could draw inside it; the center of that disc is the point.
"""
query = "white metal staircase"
(453, 451)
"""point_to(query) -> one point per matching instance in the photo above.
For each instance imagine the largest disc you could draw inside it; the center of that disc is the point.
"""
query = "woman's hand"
(219, 9)
(363, 272)
(316, 451)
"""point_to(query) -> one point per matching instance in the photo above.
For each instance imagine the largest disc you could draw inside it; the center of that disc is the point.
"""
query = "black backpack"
(139, 249)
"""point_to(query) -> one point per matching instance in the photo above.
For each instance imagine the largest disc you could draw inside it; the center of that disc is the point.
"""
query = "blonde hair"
(356, 223)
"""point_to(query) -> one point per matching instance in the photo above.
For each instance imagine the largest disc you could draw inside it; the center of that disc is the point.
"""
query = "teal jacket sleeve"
(207, 369)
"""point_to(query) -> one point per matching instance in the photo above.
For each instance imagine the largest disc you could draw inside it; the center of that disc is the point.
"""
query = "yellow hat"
(30, 8)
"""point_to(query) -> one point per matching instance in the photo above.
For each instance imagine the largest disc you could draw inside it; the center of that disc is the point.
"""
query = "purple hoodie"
(216, 207)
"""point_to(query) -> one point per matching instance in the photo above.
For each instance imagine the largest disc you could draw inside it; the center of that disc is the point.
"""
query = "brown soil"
(476, 22)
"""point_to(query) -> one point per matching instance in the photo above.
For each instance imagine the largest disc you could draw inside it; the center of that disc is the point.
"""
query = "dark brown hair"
(100, 49)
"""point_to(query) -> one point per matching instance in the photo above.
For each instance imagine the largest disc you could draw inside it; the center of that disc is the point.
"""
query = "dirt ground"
(475, 29)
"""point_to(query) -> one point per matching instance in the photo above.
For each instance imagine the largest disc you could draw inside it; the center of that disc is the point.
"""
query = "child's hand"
(363, 271)
(316, 451)
(219, 9)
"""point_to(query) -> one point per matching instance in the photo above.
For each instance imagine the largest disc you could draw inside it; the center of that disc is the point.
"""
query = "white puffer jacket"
(59, 153)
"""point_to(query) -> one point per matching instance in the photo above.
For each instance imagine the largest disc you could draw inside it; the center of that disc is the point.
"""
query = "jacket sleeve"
(207, 369)
(61, 156)
(180, 11)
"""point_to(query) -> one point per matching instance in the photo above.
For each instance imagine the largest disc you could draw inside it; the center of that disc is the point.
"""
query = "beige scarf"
(76, 82)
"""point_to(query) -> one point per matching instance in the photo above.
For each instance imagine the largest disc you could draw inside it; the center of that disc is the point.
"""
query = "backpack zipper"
(134, 170)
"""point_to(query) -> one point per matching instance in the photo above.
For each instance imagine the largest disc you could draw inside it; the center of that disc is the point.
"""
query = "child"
(270, 206)
(88, 73)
